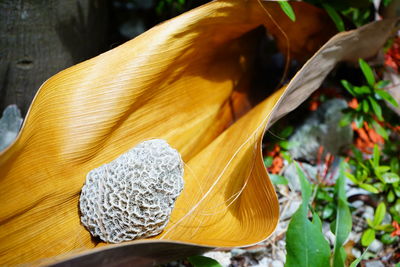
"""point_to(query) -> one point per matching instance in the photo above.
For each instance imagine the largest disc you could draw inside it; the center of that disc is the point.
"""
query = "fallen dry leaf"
(185, 81)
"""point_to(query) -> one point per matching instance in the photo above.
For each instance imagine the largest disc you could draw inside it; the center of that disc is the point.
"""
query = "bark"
(38, 38)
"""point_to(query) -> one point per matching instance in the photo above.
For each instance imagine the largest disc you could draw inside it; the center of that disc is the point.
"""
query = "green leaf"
(285, 144)
(343, 219)
(352, 178)
(202, 261)
(382, 84)
(386, 96)
(376, 107)
(268, 161)
(369, 188)
(286, 156)
(359, 120)
(387, 239)
(370, 223)
(380, 186)
(397, 192)
(365, 105)
(357, 154)
(362, 90)
(346, 119)
(390, 177)
(383, 168)
(287, 8)
(334, 16)
(287, 132)
(327, 211)
(359, 259)
(367, 237)
(376, 156)
(379, 214)
(305, 243)
(305, 186)
(384, 227)
(386, 3)
(367, 71)
(278, 179)
(349, 87)
(395, 165)
(380, 130)
(390, 196)
(324, 195)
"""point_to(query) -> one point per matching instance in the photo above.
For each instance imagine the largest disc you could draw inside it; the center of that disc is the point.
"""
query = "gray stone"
(321, 129)
(368, 213)
(356, 237)
(376, 246)
(277, 263)
(374, 264)
(281, 255)
(290, 210)
(10, 123)
(264, 262)
(224, 258)
(238, 251)
(328, 233)
(291, 174)
(356, 252)
(394, 88)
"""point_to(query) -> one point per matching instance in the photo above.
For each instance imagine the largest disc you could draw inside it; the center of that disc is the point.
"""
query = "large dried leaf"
(184, 81)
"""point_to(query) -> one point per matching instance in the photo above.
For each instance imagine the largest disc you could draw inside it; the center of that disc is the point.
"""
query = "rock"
(132, 196)
(264, 262)
(290, 210)
(326, 230)
(224, 258)
(356, 253)
(374, 264)
(355, 236)
(259, 250)
(321, 129)
(281, 255)
(291, 174)
(10, 123)
(376, 246)
(311, 171)
(368, 213)
(394, 88)
(277, 263)
(238, 252)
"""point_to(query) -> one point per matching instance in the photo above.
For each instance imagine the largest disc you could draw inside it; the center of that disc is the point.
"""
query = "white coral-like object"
(132, 196)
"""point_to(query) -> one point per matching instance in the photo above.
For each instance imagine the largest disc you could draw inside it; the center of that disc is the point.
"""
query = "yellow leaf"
(186, 81)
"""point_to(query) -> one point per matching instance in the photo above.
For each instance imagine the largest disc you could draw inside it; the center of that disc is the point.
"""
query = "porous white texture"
(132, 196)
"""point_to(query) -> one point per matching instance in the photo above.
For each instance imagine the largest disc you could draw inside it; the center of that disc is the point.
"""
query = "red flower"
(392, 56)
(353, 103)
(396, 231)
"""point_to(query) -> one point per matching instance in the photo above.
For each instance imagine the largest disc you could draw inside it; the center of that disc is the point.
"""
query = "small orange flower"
(353, 103)
(392, 56)
(396, 231)
(314, 105)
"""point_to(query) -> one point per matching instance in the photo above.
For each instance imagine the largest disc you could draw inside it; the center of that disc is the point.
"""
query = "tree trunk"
(38, 38)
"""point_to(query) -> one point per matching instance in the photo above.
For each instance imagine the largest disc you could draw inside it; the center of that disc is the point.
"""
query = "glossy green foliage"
(370, 99)
(202, 261)
(305, 243)
(343, 221)
(287, 8)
